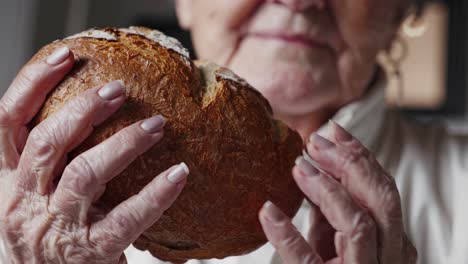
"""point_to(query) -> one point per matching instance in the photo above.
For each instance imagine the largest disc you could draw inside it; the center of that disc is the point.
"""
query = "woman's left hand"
(359, 200)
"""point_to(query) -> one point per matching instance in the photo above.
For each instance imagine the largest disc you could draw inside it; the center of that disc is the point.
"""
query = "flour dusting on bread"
(158, 37)
(229, 75)
(95, 33)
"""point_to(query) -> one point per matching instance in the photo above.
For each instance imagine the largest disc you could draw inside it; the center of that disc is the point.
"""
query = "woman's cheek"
(217, 27)
(223, 14)
(214, 43)
(366, 27)
(355, 74)
(368, 24)
(211, 36)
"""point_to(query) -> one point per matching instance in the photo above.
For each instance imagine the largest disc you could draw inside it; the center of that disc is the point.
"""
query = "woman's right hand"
(43, 223)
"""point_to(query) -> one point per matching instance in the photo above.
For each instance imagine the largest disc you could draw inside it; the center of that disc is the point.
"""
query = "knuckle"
(123, 223)
(38, 133)
(132, 139)
(156, 202)
(332, 192)
(391, 205)
(292, 240)
(43, 142)
(311, 258)
(363, 228)
(28, 75)
(356, 164)
(122, 226)
(82, 104)
(350, 159)
(80, 176)
(362, 151)
(357, 156)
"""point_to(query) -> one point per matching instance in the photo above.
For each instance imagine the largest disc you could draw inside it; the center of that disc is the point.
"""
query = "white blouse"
(430, 166)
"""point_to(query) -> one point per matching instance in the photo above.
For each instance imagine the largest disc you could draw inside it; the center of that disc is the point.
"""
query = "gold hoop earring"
(391, 61)
(414, 26)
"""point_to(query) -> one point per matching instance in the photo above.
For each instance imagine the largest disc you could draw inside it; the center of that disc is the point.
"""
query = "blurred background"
(431, 53)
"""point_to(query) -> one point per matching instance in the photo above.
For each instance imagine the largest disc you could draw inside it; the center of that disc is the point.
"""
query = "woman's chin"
(296, 82)
(287, 105)
(292, 94)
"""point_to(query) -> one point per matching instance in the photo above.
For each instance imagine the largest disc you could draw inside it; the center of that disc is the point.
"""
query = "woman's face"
(302, 55)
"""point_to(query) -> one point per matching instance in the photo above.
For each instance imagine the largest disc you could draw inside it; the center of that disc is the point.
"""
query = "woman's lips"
(291, 38)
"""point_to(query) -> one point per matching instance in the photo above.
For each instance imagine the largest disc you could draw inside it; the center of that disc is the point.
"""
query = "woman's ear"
(184, 13)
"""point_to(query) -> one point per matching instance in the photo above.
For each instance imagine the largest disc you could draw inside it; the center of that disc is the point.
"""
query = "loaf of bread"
(238, 155)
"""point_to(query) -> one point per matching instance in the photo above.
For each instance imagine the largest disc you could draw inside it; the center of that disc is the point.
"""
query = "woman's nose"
(300, 5)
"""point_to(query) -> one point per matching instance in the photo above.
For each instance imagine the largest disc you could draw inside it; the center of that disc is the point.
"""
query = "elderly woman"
(314, 60)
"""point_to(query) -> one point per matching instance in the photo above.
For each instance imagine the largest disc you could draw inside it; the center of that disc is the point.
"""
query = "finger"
(11, 145)
(125, 223)
(86, 176)
(341, 211)
(28, 91)
(321, 234)
(23, 99)
(341, 138)
(282, 234)
(9, 155)
(366, 181)
(49, 141)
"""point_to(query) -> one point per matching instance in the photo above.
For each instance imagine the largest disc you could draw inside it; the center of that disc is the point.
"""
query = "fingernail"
(320, 142)
(306, 167)
(153, 124)
(273, 213)
(58, 56)
(112, 90)
(340, 133)
(179, 173)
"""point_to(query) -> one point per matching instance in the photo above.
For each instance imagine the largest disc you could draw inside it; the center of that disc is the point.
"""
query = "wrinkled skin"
(356, 209)
(42, 221)
(309, 58)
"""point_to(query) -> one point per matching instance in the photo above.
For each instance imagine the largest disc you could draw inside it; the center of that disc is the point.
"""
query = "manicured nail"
(306, 167)
(58, 56)
(112, 90)
(340, 133)
(320, 142)
(153, 124)
(178, 174)
(273, 213)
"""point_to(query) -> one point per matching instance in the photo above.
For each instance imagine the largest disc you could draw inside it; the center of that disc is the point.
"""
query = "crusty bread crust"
(239, 157)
